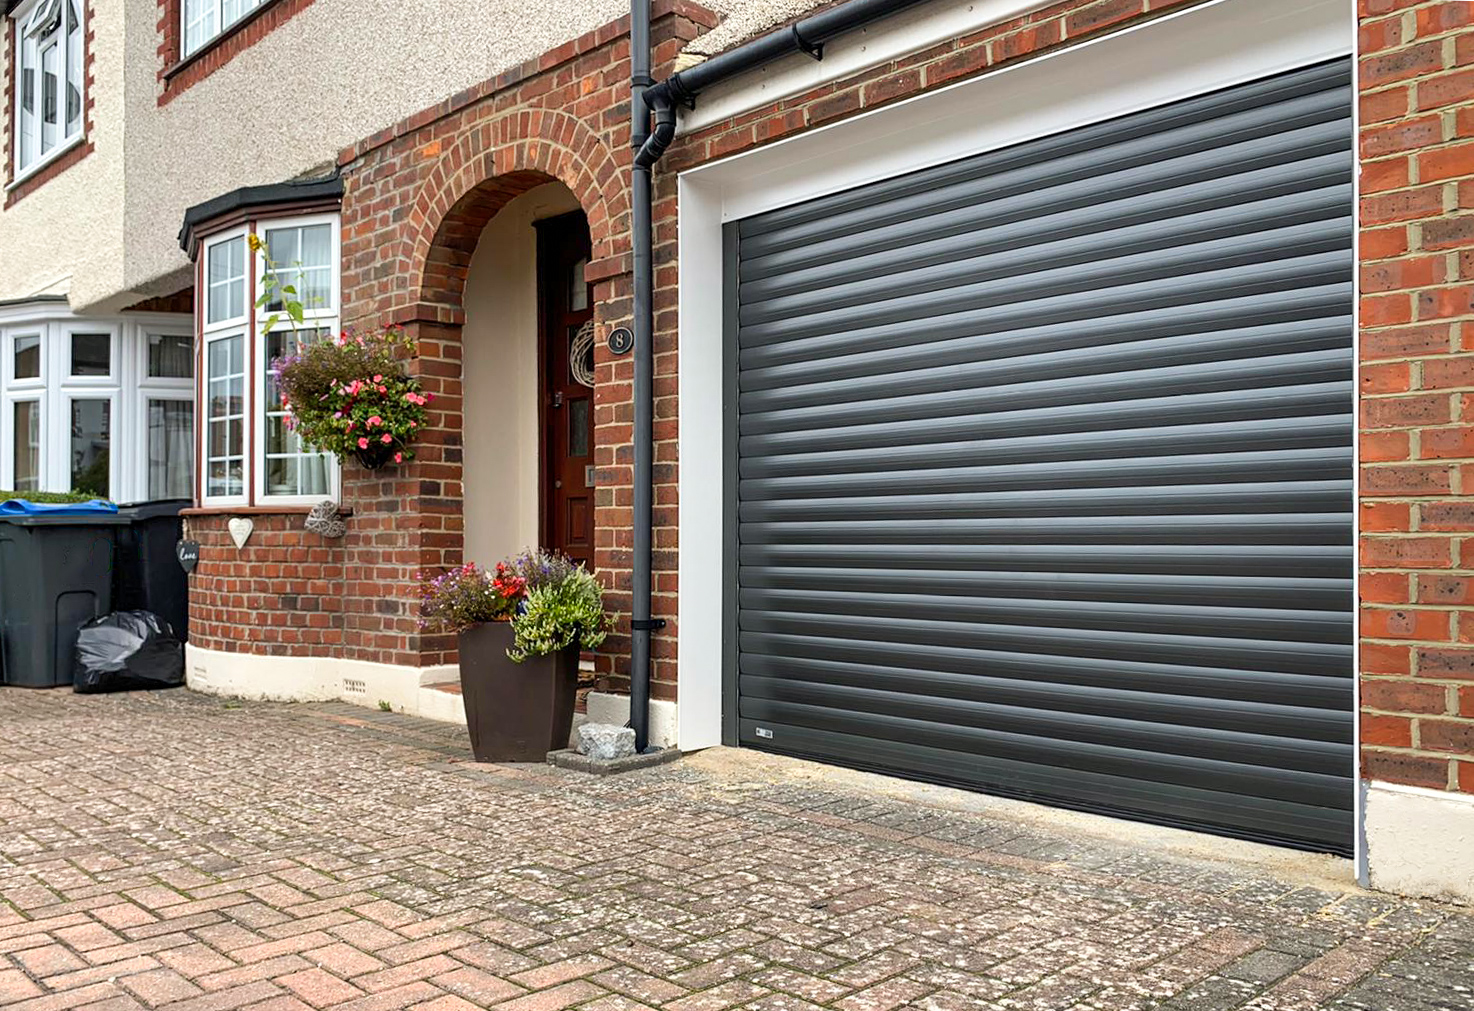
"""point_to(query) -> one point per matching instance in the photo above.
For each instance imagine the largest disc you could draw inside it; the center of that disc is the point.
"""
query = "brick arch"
(485, 168)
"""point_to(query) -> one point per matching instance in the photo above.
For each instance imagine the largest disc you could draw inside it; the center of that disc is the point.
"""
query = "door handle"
(558, 398)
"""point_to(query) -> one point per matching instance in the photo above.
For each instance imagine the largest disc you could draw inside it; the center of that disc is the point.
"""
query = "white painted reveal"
(1420, 842)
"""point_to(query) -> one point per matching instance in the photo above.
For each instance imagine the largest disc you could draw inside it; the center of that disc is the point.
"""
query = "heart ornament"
(240, 530)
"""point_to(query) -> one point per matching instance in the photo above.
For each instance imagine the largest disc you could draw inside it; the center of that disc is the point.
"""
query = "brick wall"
(1417, 388)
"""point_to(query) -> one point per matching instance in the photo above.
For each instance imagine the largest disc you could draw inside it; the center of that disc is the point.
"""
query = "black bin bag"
(127, 651)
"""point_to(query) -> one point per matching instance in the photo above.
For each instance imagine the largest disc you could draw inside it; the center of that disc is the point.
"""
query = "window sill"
(257, 510)
(40, 166)
(185, 62)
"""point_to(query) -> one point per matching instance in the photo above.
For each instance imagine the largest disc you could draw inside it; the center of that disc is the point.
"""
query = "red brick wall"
(282, 594)
(1417, 387)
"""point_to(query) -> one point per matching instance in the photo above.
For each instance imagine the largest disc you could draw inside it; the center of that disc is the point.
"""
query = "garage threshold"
(744, 770)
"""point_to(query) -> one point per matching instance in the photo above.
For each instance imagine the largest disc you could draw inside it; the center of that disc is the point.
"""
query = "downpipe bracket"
(647, 624)
(811, 49)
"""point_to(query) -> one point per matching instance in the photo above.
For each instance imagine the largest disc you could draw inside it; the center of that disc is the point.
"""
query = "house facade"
(1058, 400)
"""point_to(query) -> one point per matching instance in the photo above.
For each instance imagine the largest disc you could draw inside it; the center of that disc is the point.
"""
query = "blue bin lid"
(25, 507)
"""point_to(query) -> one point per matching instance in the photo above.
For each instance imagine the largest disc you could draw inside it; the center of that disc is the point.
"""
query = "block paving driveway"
(179, 852)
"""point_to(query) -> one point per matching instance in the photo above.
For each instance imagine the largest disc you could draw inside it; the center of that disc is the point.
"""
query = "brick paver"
(175, 852)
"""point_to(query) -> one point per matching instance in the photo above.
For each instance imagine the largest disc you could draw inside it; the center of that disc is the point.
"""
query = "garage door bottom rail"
(1277, 823)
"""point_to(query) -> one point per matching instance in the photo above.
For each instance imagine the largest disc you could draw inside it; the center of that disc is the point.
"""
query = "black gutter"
(807, 36)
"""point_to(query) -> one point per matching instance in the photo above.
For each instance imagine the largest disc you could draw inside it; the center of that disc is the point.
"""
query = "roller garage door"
(1045, 468)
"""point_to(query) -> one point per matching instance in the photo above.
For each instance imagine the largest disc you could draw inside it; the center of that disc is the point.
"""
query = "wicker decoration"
(325, 520)
(581, 355)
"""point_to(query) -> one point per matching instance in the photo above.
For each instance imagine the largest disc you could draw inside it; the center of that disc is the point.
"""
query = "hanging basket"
(376, 456)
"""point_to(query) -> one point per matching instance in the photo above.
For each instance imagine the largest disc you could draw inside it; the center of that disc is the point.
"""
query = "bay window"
(103, 406)
(204, 20)
(250, 452)
(49, 72)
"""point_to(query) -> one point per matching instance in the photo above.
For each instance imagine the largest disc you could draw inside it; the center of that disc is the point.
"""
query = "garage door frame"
(1189, 53)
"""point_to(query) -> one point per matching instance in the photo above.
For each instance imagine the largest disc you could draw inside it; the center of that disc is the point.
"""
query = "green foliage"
(384, 706)
(558, 615)
(350, 396)
(460, 598)
(49, 497)
(551, 601)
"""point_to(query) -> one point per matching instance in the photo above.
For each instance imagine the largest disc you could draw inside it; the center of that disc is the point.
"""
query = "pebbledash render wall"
(418, 195)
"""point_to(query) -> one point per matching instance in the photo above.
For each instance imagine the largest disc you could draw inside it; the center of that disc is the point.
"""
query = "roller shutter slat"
(1044, 468)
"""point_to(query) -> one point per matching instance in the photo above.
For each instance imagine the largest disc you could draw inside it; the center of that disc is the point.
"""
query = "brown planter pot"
(516, 712)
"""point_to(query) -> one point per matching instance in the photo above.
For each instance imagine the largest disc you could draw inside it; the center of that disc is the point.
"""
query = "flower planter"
(516, 712)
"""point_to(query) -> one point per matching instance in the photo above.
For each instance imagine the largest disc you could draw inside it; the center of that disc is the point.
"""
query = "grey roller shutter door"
(1044, 466)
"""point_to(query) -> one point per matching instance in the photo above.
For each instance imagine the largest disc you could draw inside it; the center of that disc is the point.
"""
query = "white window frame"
(38, 330)
(324, 317)
(114, 359)
(65, 140)
(62, 439)
(40, 398)
(205, 284)
(202, 418)
(216, 8)
(151, 388)
(146, 396)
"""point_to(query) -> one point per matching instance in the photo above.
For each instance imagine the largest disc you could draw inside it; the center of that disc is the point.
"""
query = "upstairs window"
(48, 59)
(204, 20)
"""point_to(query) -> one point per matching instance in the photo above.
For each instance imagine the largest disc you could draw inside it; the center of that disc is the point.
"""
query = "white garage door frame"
(1198, 50)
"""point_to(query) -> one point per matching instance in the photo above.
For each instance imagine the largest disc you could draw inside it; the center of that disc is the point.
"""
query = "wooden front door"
(566, 338)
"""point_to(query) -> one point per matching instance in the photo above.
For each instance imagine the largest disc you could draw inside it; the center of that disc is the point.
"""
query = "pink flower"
(398, 457)
(350, 425)
(414, 424)
(362, 443)
(386, 437)
(374, 422)
(383, 389)
(378, 379)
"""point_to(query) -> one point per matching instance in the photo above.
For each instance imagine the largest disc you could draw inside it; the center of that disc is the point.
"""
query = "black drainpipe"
(646, 96)
(644, 449)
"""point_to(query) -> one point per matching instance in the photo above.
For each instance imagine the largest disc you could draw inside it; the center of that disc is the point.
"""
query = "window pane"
(92, 354)
(289, 468)
(578, 427)
(28, 445)
(302, 259)
(29, 119)
(91, 441)
(74, 70)
(50, 68)
(225, 396)
(28, 356)
(578, 288)
(170, 356)
(226, 280)
(170, 449)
